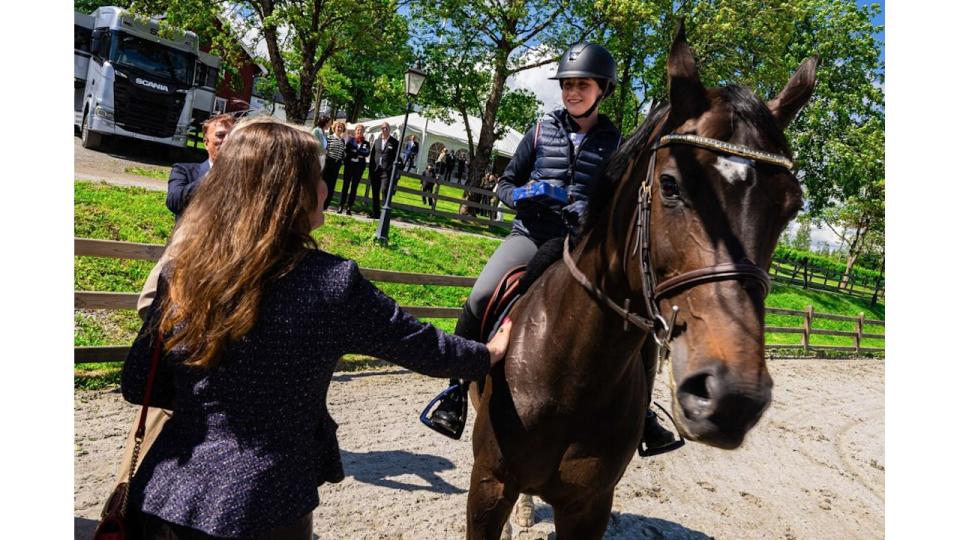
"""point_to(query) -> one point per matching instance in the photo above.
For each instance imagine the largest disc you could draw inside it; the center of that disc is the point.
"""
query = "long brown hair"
(247, 224)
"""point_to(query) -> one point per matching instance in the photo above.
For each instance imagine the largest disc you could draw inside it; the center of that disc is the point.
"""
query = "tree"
(494, 37)
(802, 239)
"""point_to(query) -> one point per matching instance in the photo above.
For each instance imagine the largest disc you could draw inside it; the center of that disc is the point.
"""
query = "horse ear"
(688, 97)
(796, 93)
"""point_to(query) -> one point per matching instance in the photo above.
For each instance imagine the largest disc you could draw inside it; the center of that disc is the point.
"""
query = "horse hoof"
(523, 513)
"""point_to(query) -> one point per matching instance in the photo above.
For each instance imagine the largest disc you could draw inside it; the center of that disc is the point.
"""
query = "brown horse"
(696, 201)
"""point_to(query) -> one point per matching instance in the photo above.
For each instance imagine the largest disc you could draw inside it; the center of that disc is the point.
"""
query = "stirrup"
(669, 447)
(441, 428)
(675, 445)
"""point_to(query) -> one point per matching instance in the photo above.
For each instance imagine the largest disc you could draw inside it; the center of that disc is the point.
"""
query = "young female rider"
(563, 150)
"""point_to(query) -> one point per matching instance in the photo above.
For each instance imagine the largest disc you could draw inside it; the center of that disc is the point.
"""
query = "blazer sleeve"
(136, 368)
(180, 187)
(518, 170)
(376, 326)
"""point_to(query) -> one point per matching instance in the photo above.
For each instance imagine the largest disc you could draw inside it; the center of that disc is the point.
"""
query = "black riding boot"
(451, 414)
(655, 436)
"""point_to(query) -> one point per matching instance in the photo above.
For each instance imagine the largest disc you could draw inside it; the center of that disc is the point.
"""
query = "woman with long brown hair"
(253, 318)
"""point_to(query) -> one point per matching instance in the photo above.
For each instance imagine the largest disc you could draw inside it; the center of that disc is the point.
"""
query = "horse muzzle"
(715, 407)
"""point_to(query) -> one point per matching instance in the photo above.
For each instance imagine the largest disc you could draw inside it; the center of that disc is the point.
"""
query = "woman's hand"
(498, 345)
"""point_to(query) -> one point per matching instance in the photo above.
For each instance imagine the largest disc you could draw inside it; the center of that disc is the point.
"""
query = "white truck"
(129, 81)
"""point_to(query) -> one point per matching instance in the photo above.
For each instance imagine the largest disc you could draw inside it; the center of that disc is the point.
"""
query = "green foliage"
(798, 256)
(518, 110)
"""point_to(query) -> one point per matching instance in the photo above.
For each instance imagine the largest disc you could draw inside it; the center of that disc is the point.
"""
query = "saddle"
(504, 295)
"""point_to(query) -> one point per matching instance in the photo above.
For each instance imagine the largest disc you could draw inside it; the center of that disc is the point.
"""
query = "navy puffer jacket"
(549, 156)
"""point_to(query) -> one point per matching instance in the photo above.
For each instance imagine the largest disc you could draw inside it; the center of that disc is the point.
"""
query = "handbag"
(117, 522)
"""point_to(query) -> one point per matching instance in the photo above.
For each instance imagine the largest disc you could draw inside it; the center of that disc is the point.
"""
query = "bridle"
(655, 323)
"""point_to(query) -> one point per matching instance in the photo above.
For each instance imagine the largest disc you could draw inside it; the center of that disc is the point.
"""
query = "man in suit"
(410, 151)
(383, 152)
(186, 177)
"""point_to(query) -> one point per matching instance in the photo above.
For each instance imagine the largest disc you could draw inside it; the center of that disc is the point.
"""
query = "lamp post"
(413, 81)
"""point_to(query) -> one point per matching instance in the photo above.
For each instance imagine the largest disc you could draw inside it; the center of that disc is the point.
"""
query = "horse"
(671, 267)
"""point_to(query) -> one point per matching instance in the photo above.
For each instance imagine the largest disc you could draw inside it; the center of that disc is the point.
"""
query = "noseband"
(656, 323)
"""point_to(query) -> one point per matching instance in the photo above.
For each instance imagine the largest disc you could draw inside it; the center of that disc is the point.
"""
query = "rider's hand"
(498, 345)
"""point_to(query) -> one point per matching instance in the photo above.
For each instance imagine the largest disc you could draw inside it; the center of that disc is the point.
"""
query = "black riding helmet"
(589, 61)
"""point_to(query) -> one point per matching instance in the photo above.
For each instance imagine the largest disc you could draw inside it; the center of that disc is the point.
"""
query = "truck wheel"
(88, 139)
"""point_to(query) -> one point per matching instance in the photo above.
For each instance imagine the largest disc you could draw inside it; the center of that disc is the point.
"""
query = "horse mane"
(615, 167)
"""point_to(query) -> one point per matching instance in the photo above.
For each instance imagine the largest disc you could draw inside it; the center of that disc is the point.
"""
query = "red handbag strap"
(142, 425)
(148, 391)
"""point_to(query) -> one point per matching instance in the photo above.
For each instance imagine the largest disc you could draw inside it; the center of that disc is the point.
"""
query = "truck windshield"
(153, 58)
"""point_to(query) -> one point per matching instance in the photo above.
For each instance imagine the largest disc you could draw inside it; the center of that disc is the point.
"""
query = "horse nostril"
(696, 395)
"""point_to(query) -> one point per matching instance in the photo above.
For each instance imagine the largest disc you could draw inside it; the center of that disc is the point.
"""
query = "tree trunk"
(855, 247)
(876, 287)
(485, 145)
(624, 87)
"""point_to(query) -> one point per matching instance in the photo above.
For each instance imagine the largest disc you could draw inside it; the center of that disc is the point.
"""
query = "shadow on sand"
(382, 469)
(627, 526)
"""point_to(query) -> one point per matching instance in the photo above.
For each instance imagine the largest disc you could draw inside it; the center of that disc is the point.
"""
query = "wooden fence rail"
(87, 247)
(811, 276)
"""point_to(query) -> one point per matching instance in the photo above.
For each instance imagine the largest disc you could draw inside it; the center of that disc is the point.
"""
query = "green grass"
(417, 218)
(160, 173)
(137, 215)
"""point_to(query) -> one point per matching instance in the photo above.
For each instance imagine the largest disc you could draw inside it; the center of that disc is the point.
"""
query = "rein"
(660, 327)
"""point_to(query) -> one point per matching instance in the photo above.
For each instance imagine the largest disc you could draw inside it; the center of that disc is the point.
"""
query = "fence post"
(807, 328)
(859, 338)
(806, 277)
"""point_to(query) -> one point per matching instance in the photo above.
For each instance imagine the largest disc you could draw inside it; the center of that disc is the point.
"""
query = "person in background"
(448, 163)
(461, 164)
(249, 350)
(186, 177)
(336, 152)
(440, 163)
(410, 151)
(429, 180)
(320, 133)
(383, 155)
(358, 148)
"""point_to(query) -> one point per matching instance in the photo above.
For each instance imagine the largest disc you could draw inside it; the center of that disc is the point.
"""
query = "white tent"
(434, 134)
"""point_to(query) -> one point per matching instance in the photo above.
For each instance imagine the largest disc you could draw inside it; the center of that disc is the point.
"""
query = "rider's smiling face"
(580, 94)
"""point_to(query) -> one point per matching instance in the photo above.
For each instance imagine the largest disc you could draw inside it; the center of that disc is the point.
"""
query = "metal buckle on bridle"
(663, 339)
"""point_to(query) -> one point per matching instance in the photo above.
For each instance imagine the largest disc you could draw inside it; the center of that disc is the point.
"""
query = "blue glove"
(541, 192)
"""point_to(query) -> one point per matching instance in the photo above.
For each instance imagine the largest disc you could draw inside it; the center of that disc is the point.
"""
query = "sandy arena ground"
(812, 468)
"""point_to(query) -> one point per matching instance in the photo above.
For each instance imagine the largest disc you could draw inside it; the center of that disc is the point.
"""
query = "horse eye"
(668, 187)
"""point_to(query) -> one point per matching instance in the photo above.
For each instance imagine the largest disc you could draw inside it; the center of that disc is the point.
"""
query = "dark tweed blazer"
(250, 441)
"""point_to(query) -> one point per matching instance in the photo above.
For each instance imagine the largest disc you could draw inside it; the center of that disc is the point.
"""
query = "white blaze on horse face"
(734, 168)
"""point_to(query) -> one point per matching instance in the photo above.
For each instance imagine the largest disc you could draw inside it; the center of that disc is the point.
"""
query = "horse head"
(716, 190)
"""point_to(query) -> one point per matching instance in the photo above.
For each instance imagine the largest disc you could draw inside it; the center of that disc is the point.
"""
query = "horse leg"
(488, 505)
(523, 513)
(583, 518)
